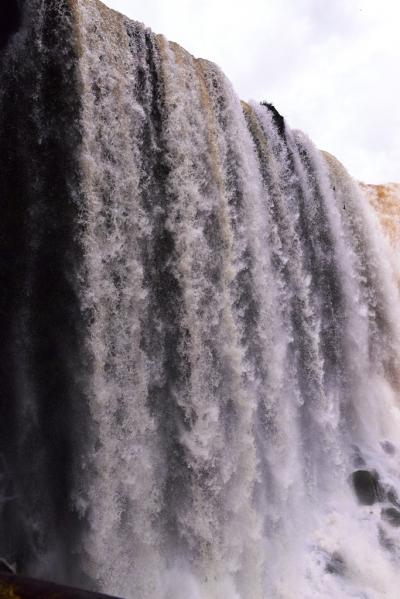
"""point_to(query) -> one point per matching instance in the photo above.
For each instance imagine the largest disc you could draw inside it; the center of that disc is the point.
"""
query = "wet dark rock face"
(10, 19)
(392, 516)
(277, 117)
(5, 567)
(40, 319)
(173, 318)
(370, 490)
(367, 487)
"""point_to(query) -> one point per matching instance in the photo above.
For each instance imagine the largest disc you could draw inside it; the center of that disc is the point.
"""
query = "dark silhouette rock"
(10, 19)
(367, 487)
(278, 119)
(27, 588)
(392, 516)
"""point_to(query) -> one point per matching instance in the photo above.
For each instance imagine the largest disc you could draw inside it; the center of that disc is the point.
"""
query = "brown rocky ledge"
(386, 201)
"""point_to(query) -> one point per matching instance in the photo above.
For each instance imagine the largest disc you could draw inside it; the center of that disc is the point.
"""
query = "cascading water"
(200, 323)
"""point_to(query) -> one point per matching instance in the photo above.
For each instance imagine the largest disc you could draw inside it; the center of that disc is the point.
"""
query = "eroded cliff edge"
(200, 326)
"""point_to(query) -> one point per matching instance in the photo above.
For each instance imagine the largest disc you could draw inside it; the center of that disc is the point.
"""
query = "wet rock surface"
(367, 487)
(393, 497)
(10, 19)
(277, 117)
(392, 516)
(336, 564)
(6, 567)
(180, 291)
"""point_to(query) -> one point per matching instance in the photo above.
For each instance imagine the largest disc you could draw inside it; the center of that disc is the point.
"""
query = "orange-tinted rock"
(386, 201)
(16, 587)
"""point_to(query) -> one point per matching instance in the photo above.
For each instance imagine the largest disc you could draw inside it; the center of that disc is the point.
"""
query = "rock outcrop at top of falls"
(386, 201)
(200, 330)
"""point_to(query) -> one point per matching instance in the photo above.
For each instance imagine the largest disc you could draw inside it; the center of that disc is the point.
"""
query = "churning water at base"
(201, 329)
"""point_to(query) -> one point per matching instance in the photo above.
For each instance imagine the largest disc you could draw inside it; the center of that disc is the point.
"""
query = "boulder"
(367, 487)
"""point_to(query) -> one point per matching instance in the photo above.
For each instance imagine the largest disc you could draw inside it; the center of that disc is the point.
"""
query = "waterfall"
(200, 324)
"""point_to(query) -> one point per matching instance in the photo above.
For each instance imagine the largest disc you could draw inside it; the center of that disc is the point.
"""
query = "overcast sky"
(331, 67)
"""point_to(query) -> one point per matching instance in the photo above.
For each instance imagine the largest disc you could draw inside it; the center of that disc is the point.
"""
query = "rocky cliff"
(200, 330)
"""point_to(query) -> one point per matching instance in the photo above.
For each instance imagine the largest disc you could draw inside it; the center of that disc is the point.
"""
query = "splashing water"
(201, 326)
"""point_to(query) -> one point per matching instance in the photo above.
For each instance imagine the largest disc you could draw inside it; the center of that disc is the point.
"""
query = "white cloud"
(330, 67)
